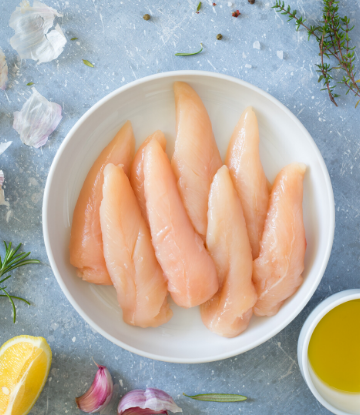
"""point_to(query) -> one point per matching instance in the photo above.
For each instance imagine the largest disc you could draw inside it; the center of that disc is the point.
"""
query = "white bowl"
(329, 399)
(149, 104)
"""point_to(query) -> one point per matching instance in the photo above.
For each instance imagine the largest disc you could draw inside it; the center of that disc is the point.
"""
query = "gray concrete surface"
(124, 47)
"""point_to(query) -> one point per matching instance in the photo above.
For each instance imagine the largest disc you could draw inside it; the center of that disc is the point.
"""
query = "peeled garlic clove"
(144, 402)
(37, 119)
(33, 38)
(3, 71)
(100, 392)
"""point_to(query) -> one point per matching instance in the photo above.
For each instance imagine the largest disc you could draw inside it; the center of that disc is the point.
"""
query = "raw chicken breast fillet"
(137, 170)
(228, 313)
(196, 157)
(278, 269)
(130, 258)
(187, 265)
(86, 247)
(247, 173)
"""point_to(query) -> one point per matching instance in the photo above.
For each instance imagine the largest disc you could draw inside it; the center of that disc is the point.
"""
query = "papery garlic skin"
(3, 71)
(2, 194)
(37, 119)
(100, 392)
(3, 147)
(149, 401)
(32, 39)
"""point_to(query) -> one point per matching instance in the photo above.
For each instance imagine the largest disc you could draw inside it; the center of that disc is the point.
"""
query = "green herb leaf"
(12, 260)
(332, 36)
(199, 6)
(190, 54)
(74, 38)
(218, 397)
(30, 83)
(87, 63)
(12, 303)
(357, 103)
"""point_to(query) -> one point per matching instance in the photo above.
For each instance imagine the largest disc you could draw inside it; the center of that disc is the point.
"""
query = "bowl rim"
(199, 74)
(306, 332)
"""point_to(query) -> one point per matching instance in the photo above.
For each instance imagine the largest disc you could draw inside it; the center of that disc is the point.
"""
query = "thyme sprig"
(332, 35)
(12, 260)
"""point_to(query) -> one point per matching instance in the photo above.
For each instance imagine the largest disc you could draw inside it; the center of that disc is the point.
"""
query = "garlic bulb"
(99, 394)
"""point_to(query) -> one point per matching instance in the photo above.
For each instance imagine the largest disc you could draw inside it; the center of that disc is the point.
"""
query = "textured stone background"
(124, 47)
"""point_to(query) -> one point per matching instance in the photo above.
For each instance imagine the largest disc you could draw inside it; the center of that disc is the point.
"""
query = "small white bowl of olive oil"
(329, 352)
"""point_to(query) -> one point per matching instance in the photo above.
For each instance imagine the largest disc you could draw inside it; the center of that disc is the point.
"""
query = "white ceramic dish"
(149, 104)
(332, 400)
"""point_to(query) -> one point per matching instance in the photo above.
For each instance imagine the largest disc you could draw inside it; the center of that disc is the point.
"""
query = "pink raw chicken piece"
(137, 170)
(86, 246)
(228, 313)
(190, 271)
(278, 269)
(130, 258)
(196, 157)
(247, 173)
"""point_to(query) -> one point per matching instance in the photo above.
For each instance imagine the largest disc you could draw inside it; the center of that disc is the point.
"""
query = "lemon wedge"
(24, 367)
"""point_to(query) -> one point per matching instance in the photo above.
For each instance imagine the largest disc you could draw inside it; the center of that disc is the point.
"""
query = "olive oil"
(334, 348)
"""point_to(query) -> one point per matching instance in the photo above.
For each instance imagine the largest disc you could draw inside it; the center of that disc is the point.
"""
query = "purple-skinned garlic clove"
(146, 402)
(100, 392)
(139, 411)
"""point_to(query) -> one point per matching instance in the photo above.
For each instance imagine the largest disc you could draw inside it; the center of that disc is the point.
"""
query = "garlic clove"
(139, 411)
(100, 392)
(144, 402)
(37, 119)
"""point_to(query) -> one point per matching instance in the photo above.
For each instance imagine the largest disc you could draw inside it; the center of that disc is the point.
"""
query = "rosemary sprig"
(218, 397)
(332, 35)
(12, 260)
(190, 54)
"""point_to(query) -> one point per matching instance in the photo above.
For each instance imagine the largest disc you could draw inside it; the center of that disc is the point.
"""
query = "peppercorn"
(219, 36)
(146, 17)
(251, 1)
